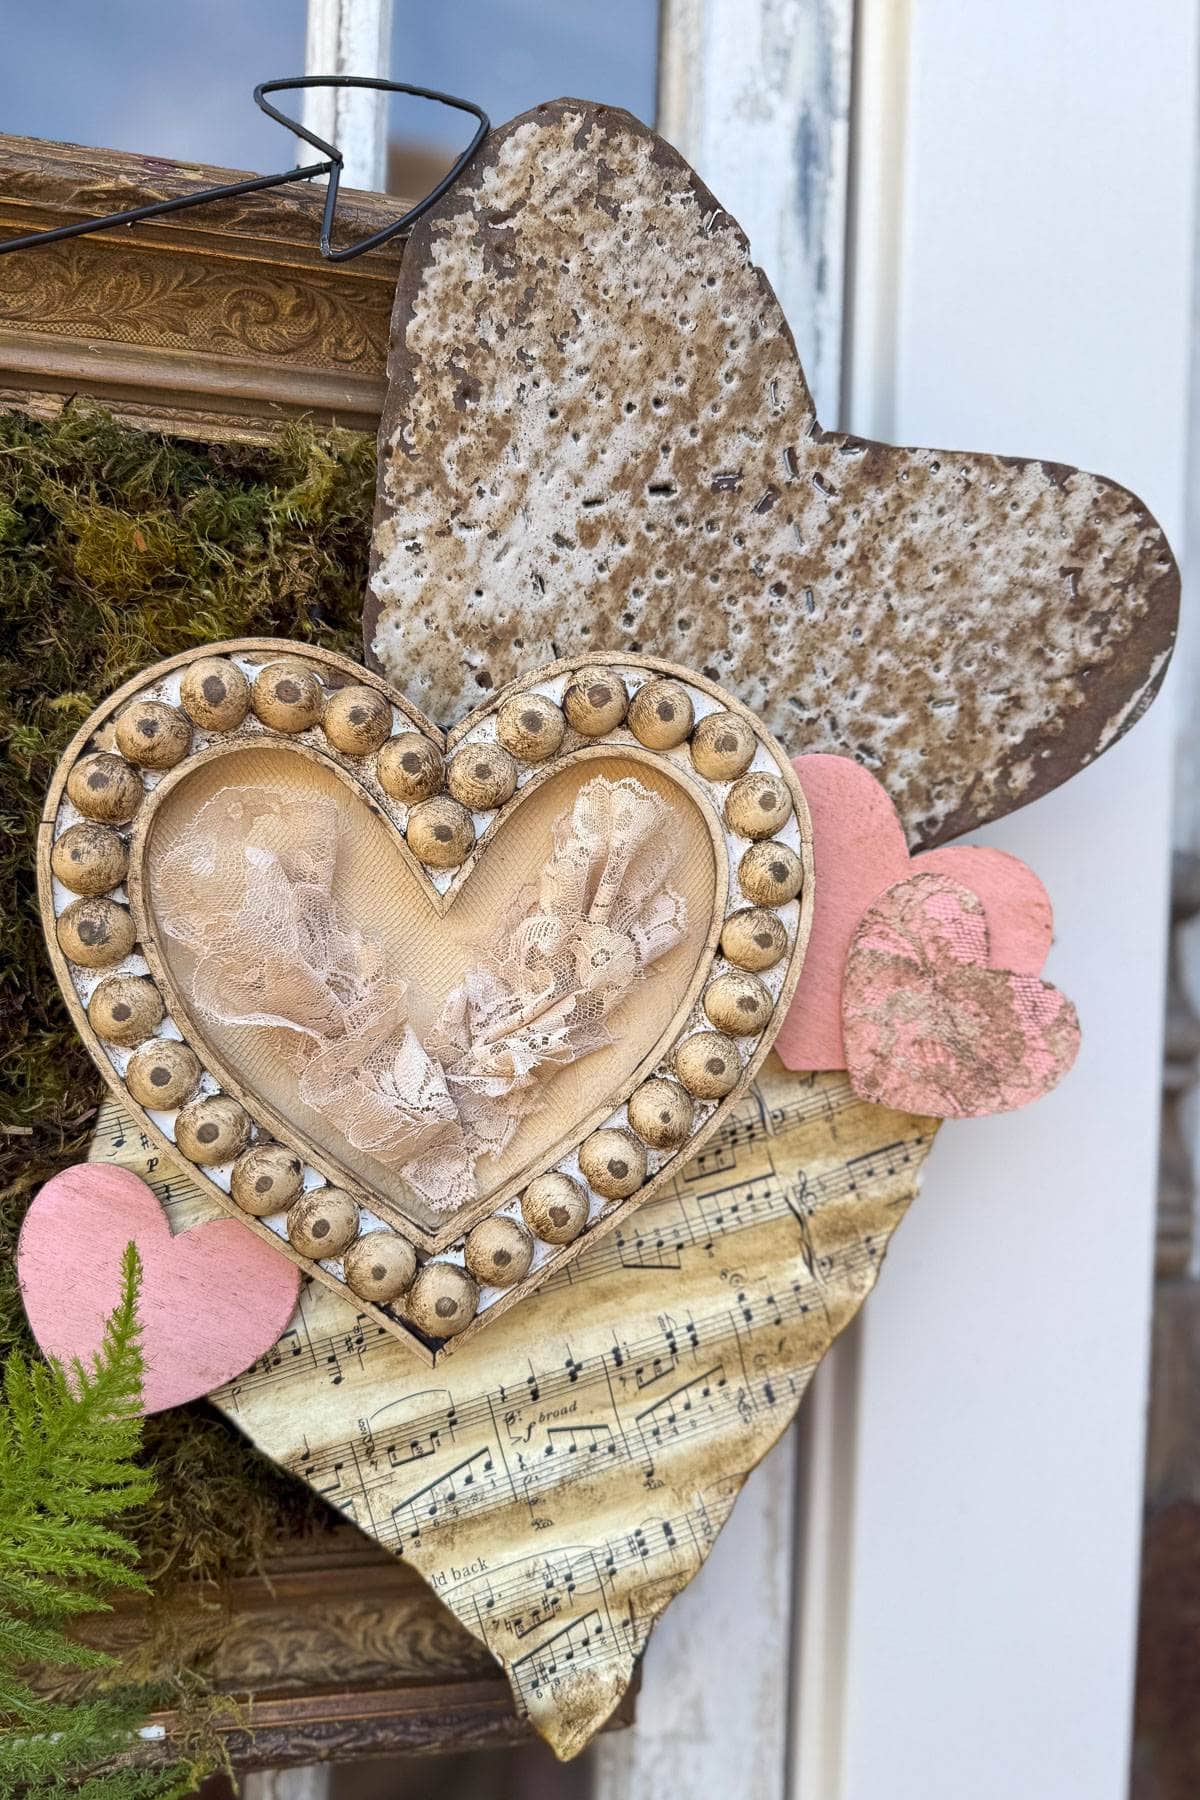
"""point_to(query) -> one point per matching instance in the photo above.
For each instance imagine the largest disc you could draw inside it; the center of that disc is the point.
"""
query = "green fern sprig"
(68, 1442)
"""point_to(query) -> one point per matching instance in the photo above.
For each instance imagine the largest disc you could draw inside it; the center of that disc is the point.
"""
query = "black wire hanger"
(332, 167)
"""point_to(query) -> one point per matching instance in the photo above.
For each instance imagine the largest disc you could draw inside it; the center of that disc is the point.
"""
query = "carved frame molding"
(222, 323)
(335, 1651)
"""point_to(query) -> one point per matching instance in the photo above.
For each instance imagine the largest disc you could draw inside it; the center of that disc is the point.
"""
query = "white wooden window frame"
(349, 37)
(979, 221)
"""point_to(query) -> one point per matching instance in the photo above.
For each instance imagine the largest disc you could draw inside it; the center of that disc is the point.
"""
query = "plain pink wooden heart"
(859, 852)
(212, 1300)
(929, 1027)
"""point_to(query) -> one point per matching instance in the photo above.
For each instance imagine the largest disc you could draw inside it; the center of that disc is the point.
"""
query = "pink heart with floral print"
(929, 1027)
(859, 851)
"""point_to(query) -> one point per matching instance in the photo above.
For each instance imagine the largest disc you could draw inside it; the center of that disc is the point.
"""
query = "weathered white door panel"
(1028, 172)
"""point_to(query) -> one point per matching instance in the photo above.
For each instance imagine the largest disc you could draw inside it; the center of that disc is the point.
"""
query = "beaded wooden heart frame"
(430, 1287)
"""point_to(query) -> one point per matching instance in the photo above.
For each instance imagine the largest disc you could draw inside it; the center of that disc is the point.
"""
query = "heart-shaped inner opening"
(379, 895)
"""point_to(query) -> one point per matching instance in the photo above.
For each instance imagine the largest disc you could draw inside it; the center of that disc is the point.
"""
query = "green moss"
(119, 547)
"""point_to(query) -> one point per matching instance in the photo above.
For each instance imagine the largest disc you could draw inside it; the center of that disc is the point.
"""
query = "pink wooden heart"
(212, 1300)
(929, 1027)
(859, 851)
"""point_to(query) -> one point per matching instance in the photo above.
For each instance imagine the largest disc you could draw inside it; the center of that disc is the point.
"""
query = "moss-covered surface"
(117, 548)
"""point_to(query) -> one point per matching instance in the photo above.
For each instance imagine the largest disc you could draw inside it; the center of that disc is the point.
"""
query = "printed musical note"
(573, 1440)
(574, 1642)
(466, 1484)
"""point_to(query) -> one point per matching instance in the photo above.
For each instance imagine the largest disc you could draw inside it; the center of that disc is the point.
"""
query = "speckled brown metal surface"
(598, 435)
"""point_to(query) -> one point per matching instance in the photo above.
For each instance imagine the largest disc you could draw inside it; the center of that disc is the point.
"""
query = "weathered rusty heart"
(597, 426)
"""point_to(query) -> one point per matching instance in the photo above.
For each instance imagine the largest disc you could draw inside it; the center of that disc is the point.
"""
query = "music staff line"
(637, 1365)
(505, 1469)
(683, 1542)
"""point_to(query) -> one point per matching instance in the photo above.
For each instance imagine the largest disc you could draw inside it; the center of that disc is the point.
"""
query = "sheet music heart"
(573, 1466)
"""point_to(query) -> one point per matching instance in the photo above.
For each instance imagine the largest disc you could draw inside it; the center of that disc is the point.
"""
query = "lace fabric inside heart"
(342, 989)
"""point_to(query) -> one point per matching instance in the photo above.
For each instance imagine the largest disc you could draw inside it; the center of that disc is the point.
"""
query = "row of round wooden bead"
(380, 1265)
(163, 1073)
(287, 696)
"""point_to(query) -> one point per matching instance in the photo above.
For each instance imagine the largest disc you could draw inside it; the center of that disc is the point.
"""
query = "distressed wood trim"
(1175, 1245)
(219, 324)
(757, 97)
(333, 1724)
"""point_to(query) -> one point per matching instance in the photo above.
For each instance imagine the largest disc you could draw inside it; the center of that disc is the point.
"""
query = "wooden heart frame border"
(78, 983)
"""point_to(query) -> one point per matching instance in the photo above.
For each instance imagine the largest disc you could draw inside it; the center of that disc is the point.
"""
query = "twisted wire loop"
(331, 166)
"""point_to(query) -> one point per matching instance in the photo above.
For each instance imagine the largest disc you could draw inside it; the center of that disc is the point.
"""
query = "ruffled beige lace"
(248, 888)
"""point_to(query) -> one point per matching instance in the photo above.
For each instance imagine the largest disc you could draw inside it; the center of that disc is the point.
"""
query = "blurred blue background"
(176, 80)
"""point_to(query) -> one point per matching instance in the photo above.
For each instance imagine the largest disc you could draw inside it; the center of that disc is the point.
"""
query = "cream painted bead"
(481, 776)
(738, 1004)
(90, 858)
(266, 1179)
(323, 1222)
(96, 933)
(441, 833)
(531, 726)
(153, 734)
(661, 714)
(595, 702)
(442, 1300)
(212, 1130)
(661, 1112)
(723, 746)
(555, 1207)
(499, 1252)
(708, 1065)
(754, 939)
(357, 720)
(410, 768)
(125, 1009)
(380, 1266)
(771, 874)
(214, 694)
(758, 805)
(162, 1074)
(104, 787)
(287, 696)
(613, 1163)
